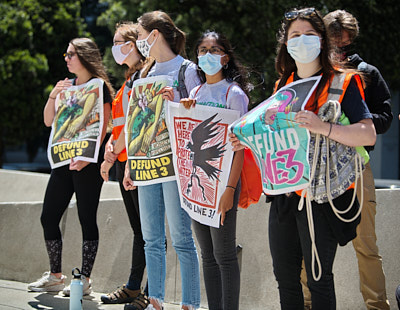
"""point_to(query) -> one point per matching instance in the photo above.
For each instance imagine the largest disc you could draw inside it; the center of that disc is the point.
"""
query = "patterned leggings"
(63, 183)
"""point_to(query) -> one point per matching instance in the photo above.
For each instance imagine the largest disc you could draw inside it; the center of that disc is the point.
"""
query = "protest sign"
(202, 157)
(278, 143)
(78, 123)
(146, 133)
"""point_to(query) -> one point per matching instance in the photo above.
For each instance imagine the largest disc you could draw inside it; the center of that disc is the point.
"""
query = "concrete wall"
(23, 256)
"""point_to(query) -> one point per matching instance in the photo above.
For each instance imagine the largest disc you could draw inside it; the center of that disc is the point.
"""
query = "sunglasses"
(291, 15)
(69, 54)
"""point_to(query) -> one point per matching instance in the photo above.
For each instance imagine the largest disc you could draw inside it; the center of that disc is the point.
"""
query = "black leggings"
(63, 183)
(131, 203)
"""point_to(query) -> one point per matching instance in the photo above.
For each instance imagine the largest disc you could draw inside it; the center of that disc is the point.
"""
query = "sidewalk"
(14, 295)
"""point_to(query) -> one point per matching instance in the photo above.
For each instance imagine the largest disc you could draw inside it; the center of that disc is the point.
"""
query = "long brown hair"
(161, 21)
(128, 31)
(89, 56)
(285, 64)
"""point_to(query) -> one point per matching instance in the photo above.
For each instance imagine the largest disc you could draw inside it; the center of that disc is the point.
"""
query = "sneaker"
(139, 303)
(87, 287)
(120, 296)
(47, 283)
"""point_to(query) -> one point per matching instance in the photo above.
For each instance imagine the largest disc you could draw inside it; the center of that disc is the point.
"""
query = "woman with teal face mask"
(224, 86)
(297, 232)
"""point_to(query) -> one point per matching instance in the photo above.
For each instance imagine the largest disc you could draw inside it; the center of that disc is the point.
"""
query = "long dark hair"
(285, 64)
(161, 21)
(233, 71)
(89, 56)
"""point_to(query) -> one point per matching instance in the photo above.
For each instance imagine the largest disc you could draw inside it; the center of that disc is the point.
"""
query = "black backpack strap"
(181, 79)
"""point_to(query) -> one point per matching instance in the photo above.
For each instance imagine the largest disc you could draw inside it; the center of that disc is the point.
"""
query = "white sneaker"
(48, 283)
(87, 287)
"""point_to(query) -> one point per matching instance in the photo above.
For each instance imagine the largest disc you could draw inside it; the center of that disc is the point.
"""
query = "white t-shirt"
(171, 68)
(215, 95)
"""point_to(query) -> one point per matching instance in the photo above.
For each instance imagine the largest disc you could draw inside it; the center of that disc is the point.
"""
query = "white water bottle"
(75, 300)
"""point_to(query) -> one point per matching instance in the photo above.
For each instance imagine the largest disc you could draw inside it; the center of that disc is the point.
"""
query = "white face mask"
(144, 47)
(119, 57)
(304, 49)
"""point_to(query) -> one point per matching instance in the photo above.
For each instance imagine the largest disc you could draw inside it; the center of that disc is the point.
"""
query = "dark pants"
(289, 239)
(131, 203)
(63, 183)
(220, 263)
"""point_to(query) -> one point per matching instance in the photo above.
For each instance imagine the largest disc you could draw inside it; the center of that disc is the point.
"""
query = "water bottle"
(75, 300)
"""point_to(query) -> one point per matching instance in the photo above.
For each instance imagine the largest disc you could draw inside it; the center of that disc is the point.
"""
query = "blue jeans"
(155, 201)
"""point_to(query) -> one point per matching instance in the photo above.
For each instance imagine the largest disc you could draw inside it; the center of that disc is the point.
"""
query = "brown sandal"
(140, 303)
(120, 296)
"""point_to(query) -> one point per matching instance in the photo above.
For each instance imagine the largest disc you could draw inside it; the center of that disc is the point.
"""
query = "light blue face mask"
(210, 63)
(304, 49)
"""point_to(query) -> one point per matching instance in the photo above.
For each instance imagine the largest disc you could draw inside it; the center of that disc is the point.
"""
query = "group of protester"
(308, 45)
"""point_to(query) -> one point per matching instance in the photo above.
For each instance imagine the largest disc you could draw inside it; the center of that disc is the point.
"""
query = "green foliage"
(33, 34)
(252, 25)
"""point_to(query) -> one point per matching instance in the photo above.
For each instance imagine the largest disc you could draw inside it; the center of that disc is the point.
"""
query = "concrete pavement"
(23, 257)
(14, 295)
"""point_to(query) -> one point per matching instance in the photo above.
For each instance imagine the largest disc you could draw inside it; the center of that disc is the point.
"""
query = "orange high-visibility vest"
(119, 110)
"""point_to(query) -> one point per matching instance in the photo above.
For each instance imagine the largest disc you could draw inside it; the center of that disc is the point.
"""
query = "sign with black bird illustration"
(203, 155)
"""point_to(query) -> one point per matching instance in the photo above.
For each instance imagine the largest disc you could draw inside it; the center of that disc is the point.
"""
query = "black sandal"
(140, 303)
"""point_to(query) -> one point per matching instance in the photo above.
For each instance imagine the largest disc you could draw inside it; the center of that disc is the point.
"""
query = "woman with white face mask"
(159, 38)
(125, 53)
(303, 51)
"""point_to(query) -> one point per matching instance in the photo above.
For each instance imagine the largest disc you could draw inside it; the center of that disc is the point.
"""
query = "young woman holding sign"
(81, 178)
(159, 38)
(125, 52)
(304, 51)
(223, 84)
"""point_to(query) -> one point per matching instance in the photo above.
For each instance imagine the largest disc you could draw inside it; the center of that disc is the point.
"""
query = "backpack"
(181, 79)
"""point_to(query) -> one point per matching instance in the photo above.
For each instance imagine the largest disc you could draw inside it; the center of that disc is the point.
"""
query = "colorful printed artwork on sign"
(147, 137)
(77, 126)
(278, 143)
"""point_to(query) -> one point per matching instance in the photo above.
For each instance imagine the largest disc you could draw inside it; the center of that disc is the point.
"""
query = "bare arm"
(226, 201)
(49, 111)
(357, 134)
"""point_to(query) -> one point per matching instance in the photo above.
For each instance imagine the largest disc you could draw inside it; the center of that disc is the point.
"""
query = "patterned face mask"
(144, 47)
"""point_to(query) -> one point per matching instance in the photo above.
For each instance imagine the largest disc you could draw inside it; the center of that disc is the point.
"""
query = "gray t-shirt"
(171, 68)
(223, 94)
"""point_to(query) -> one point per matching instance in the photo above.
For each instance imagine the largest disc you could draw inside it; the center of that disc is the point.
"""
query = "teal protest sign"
(278, 143)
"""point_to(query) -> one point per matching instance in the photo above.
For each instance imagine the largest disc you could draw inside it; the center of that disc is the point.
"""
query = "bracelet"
(231, 187)
(330, 130)
(54, 98)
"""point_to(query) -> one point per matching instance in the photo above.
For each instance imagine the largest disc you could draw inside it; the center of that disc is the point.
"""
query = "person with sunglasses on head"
(125, 53)
(343, 30)
(304, 51)
(224, 86)
(159, 38)
(80, 177)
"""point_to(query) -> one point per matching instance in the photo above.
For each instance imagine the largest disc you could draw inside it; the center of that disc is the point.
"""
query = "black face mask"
(347, 50)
